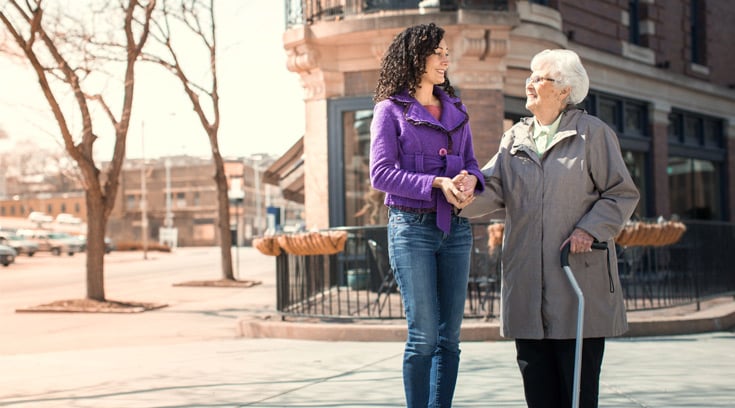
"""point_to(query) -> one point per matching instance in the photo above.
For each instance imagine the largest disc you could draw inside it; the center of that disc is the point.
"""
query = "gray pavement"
(190, 354)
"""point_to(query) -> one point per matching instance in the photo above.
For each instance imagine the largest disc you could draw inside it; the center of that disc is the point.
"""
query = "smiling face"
(543, 97)
(436, 66)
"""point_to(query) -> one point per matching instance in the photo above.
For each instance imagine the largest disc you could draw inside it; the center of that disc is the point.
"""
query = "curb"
(471, 331)
(667, 327)
(248, 328)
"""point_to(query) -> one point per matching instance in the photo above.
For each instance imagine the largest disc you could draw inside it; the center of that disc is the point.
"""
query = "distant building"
(661, 75)
(180, 194)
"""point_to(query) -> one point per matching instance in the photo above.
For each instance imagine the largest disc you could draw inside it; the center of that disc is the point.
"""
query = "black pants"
(547, 368)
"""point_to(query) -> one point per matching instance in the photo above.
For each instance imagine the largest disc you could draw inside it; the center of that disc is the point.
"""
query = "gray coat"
(581, 181)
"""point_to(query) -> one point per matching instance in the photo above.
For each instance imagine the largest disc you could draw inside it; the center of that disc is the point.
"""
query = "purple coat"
(409, 148)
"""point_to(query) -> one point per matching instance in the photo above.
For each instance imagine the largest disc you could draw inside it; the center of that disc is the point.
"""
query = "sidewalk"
(190, 354)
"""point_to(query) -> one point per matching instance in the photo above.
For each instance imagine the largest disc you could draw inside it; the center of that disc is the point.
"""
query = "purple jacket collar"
(453, 113)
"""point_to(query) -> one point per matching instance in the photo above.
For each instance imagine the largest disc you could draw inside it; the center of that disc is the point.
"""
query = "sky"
(261, 102)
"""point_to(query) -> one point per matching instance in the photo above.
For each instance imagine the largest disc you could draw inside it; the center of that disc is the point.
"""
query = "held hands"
(460, 190)
(580, 241)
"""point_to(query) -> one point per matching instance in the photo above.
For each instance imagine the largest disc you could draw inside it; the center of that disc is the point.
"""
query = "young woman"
(422, 158)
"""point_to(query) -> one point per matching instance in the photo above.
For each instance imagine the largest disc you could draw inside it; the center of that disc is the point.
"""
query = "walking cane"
(580, 318)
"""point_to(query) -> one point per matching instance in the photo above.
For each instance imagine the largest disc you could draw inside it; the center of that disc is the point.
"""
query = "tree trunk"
(97, 220)
(223, 206)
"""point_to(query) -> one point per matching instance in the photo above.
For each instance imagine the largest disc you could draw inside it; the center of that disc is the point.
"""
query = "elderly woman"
(561, 179)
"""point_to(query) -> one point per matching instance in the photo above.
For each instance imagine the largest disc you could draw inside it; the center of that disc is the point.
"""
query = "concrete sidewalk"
(193, 353)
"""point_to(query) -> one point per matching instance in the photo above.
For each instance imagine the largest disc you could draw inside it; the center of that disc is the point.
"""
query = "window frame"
(336, 107)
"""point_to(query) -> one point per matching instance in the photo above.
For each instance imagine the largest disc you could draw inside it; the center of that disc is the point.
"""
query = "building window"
(63, 208)
(350, 193)
(77, 208)
(49, 209)
(696, 165)
(698, 32)
(196, 200)
(130, 202)
(180, 200)
(694, 187)
(629, 119)
(634, 27)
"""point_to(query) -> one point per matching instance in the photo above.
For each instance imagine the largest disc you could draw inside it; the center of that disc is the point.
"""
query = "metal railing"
(358, 283)
(305, 12)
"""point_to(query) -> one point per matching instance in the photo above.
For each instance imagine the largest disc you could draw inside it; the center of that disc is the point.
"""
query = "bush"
(138, 246)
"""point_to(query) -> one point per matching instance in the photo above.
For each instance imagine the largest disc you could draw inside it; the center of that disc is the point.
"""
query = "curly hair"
(405, 61)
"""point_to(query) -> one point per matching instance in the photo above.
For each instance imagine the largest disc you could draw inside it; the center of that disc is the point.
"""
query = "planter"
(358, 279)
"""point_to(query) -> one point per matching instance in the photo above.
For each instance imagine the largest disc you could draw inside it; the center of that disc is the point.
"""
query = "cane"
(580, 318)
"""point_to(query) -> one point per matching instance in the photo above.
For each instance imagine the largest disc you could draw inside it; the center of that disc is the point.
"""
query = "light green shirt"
(543, 135)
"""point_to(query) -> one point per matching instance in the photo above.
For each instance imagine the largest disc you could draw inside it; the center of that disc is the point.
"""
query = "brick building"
(660, 75)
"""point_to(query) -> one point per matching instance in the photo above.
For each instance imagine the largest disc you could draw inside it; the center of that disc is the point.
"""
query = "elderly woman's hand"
(580, 241)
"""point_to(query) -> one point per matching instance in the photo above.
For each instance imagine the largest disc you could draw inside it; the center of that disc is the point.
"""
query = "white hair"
(567, 69)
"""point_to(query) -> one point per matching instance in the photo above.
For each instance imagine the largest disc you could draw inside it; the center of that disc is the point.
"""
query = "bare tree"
(63, 53)
(180, 19)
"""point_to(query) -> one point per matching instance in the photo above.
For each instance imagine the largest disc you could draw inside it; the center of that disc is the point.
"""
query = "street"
(193, 313)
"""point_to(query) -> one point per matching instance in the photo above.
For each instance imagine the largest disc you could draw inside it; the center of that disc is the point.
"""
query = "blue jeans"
(431, 269)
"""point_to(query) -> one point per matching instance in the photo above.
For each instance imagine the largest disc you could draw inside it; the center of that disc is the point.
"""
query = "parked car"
(109, 246)
(7, 255)
(20, 244)
(54, 242)
(39, 217)
(65, 218)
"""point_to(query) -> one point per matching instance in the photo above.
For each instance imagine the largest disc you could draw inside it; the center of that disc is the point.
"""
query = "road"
(193, 313)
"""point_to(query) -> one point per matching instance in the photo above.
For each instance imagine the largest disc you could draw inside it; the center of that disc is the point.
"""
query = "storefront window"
(636, 163)
(352, 201)
(695, 167)
(629, 119)
(694, 187)
(361, 207)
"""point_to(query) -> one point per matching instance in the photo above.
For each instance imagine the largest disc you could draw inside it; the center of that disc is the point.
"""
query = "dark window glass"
(629, 119)
(695, 188)
(608, 112)
(696, 166)
(362, 206)
(634, 29)
(636, 164)
(712, 133)
(676, 127)
(692, 130)
(698, 32)
(130, 202)
(635, 119)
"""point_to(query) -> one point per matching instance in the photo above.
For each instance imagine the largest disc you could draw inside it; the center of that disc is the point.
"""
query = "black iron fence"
(358, 283)
(301, 12)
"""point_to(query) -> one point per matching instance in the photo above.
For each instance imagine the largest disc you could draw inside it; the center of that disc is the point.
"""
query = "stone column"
(729, 130)
(477, 71)
(306, 58)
